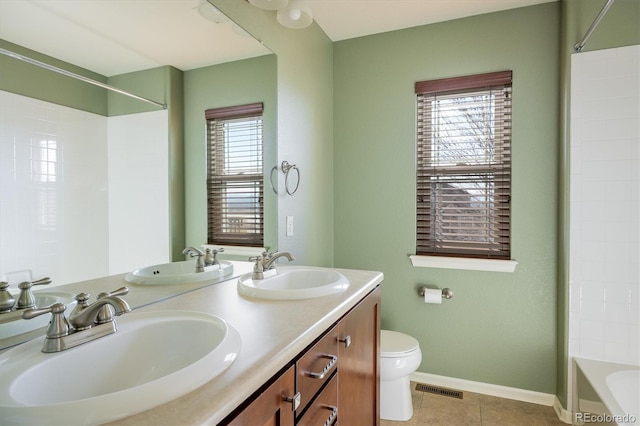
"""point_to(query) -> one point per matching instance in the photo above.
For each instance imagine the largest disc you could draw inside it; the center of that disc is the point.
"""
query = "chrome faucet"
(101, 311)
(211, 256)
(196, 252)
(266, 263)
(270, 258)
(85, 324)
(26, 299)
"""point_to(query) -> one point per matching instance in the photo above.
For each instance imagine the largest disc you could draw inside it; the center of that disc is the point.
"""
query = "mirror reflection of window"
(44, 162)
(235, 183)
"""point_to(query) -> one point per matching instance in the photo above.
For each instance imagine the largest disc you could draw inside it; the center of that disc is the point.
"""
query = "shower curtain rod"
(579, 46)
(77, 76)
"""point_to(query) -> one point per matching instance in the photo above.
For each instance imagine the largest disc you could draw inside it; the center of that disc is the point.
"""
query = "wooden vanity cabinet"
(316, 366)
(359, 370)
(323, 410)
(336, 379)
(271, 406)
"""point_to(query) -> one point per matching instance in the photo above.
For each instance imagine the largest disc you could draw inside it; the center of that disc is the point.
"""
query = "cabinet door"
(271, 407)
(359, 371)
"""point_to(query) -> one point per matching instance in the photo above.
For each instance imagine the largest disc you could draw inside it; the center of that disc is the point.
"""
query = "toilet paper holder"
(447, 293)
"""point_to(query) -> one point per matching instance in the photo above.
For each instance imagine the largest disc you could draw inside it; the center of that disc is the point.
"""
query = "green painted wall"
(619, 27)
(233, 83)
(28, 80)
(153, 84)
(499, 328)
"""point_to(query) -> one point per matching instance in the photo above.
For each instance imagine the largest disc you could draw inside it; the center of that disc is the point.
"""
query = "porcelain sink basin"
(153, 358)
(294, 283)
(12, 324)
(178, 273)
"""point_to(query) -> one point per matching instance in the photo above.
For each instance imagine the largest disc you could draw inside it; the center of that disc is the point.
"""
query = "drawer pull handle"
(294, 400)
(346, 341)
(332, 361)
(332, 417)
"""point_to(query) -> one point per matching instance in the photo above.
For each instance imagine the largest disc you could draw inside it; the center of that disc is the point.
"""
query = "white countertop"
(272, 332)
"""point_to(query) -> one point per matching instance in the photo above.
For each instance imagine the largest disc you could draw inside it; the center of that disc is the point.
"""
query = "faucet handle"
(59, 326)
(257, 267)
(211, 256)
(193, 252)
(26, 299)
(42, 281)
(119, 292)
(6, 298)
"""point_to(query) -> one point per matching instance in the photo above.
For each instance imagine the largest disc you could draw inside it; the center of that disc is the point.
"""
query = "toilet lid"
(393, 343)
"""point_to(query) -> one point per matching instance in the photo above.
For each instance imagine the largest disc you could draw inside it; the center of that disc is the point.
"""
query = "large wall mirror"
(182, 51)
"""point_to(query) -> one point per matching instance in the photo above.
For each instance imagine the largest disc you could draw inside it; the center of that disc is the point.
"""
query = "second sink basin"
(178, 273)
(294, 283)
(153, 358)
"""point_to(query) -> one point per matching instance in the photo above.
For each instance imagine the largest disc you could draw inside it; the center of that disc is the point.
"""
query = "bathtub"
(606, 392)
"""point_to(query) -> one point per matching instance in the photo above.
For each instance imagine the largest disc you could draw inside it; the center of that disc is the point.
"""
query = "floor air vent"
(439, 391)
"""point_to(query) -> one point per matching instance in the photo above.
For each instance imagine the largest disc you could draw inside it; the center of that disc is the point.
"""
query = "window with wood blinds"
(464, 166)
(235, 183)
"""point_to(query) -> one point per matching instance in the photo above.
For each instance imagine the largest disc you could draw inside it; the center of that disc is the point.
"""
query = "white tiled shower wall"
(605, 205)
(74, 187)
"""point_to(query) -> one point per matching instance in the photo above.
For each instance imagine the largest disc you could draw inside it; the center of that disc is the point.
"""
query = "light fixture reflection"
(296, 15)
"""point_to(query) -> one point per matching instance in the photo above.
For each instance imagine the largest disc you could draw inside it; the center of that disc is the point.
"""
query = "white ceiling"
(344, 19)
(114, 37)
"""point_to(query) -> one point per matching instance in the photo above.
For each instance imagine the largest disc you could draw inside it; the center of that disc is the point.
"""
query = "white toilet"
(400, 356)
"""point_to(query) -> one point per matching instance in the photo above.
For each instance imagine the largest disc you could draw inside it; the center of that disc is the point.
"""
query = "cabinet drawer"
(322, 410)
(316, 366)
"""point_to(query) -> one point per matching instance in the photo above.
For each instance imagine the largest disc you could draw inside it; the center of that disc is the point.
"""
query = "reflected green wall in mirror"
(28, 80)
(233, 83)
(305, 117)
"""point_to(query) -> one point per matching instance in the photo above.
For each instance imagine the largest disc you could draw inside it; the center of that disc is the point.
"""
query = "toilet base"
(395, 399)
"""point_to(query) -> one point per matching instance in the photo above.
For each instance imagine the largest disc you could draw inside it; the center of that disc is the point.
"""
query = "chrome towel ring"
(274, 187)
(286, 168)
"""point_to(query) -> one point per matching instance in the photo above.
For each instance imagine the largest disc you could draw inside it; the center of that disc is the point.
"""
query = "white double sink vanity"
(227, 350)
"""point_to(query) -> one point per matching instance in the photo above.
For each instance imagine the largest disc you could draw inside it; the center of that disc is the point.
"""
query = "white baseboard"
(495, 390)
(564, 415)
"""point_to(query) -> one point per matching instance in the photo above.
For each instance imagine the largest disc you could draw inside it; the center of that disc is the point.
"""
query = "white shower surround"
(81, 195)
(605, 205)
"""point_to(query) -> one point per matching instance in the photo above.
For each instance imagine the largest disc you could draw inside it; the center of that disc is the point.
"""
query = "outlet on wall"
(289, 223)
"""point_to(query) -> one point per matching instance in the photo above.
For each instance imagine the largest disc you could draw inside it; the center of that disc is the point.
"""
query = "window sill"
(463, 263)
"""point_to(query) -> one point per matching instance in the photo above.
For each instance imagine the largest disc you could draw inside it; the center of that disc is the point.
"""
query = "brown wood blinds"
(235, 183)
(464, 166)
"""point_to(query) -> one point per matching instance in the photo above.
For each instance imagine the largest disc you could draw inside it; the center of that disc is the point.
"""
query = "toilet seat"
(394, 344)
